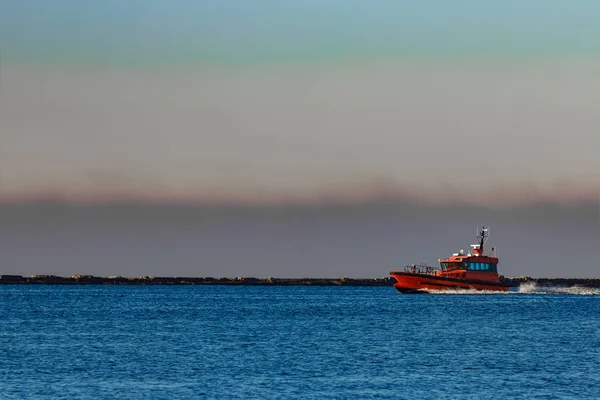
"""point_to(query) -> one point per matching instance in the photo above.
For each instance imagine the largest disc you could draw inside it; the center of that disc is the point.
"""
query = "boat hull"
(411, 283)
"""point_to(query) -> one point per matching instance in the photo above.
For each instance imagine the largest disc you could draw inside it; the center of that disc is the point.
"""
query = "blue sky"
(154, 31)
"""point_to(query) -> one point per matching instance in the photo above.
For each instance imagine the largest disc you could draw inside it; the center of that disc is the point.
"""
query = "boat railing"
(421, 269)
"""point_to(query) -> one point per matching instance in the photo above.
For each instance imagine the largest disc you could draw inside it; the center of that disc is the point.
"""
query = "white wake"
(534, 288)
(525, 288)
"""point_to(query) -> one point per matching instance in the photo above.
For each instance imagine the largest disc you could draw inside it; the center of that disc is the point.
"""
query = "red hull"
(408, 282)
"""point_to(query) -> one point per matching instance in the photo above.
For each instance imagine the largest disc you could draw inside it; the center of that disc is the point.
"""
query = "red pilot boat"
(475, 270)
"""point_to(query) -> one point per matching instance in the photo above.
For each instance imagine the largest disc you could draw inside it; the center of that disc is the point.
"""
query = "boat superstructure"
(475, 270)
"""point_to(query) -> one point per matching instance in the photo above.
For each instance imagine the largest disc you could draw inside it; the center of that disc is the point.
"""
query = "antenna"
(483, 234)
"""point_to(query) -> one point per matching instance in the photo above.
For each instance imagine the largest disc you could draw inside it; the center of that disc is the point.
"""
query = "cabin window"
(480, 266)
(473, 266)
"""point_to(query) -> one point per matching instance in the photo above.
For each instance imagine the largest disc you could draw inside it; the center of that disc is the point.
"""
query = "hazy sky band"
(510, 132)
(237, 32)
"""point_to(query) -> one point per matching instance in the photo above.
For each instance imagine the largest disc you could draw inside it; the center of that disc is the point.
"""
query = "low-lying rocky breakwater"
(251, 281)
(162, 280)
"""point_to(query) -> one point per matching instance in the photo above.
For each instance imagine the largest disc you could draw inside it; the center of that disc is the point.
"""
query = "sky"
(311, 104)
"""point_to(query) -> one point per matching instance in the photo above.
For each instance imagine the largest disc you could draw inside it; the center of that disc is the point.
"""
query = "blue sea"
(223, 342)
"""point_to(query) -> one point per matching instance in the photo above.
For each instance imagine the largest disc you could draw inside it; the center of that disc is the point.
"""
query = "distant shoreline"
(251, 281)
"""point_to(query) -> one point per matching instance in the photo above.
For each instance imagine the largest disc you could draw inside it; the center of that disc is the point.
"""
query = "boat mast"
(483, 235)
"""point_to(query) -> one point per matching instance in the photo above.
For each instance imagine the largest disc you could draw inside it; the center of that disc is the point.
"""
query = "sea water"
(184, 342)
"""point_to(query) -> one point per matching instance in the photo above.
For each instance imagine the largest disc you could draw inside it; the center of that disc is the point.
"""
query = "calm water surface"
(91, 342)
